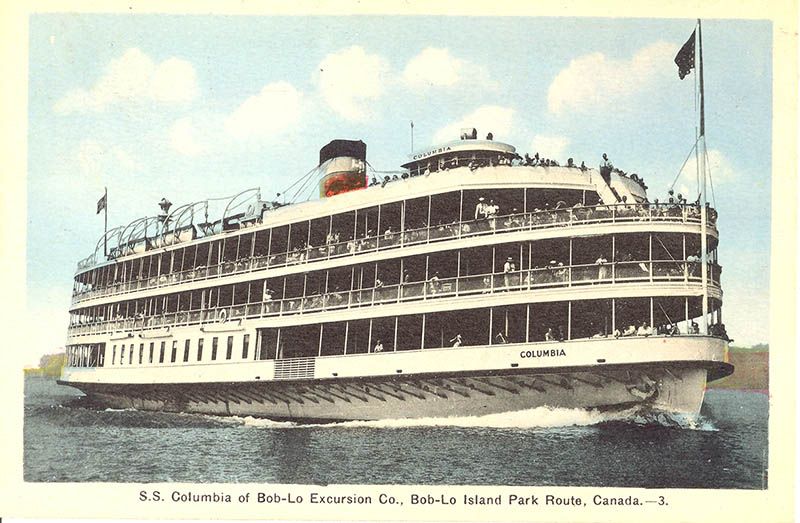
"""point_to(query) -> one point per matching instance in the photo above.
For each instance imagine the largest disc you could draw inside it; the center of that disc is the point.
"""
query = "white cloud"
(433, 67)
(595, 81)
(718, 164)
(436, 67)
(550, 146)
(96, 160)
(173, 80)
(183, 137)
(134, 77)
(275, 109)
(489, 118)
(350, 79)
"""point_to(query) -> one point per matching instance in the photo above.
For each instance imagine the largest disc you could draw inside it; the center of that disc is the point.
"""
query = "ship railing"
(534, 220)
(524, 280)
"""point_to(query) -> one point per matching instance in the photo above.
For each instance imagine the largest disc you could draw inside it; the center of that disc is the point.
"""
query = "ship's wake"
(537, 418)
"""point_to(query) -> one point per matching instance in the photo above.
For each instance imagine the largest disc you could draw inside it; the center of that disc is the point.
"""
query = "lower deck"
(594, 373)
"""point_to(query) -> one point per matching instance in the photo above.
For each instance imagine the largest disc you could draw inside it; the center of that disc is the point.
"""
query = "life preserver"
(223, 316)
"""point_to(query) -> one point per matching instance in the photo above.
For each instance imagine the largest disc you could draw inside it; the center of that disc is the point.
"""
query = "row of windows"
(153, 353)
(86, 355)
(658, 252)
(524, 323)
(377, 221)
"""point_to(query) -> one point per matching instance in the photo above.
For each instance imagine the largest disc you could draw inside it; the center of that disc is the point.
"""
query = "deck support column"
(613, 315)
(527, 322)
(394, 344)
(346, 334)
(569, 317)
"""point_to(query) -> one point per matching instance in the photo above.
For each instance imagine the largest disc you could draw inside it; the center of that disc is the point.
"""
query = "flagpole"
(105, 225)
(703, 211)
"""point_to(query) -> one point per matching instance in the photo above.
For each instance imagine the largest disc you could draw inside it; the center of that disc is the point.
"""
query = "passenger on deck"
(508, 268)
(378, 283)
(433, 283)
(491, 211)
(570, 163)
(549, 335)
(644, 330)
(602, 268)
(480, 209)
(500, 339)
(630, 331)
(695, 329)
(378, 346)
(456, 341)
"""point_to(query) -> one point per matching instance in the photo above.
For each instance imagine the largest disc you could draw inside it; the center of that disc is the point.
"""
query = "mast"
(701, 163)
(105, 222)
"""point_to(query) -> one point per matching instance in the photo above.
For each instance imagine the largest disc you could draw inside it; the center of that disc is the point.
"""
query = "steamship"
(473, 281)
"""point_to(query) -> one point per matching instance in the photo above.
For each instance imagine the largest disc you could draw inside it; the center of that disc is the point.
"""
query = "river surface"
(726, 447)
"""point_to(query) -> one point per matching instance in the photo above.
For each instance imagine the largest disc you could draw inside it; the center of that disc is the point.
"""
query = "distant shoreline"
(751, 371)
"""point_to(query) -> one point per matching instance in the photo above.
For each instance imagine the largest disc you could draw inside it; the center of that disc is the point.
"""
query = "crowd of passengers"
(557, 334)
(475, 161)
(488, 216)
(408, 287)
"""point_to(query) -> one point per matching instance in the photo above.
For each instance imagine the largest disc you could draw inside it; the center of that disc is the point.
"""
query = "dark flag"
(101, 203)
(685, 58)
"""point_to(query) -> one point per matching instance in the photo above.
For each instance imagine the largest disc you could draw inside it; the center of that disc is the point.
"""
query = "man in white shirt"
(480, 209)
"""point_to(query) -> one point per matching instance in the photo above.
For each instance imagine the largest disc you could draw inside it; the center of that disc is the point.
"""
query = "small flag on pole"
(101, 203)
(685, 58)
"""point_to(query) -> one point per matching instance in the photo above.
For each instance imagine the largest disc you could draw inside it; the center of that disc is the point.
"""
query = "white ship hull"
(622, 380)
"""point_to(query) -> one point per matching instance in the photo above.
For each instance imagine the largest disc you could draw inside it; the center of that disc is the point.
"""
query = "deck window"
(229, 351)
(161, 354)
(186, 351)
(141, 353)
(122, 354)
(245, 345)
(200, 349)
(267, 344)
(150, 359)
(214, 345)
(113, 354)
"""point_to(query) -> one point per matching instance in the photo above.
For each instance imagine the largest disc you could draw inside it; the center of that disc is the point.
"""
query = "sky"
(192, 107)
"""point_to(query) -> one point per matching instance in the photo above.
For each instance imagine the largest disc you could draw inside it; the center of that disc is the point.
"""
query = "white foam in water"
(675, 419)
(540, 417)
(250, 421)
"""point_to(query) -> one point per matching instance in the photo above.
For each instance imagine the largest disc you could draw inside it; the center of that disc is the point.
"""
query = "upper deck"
(197, 221)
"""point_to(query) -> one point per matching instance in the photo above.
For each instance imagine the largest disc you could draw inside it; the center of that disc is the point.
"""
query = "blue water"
(65, 440)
